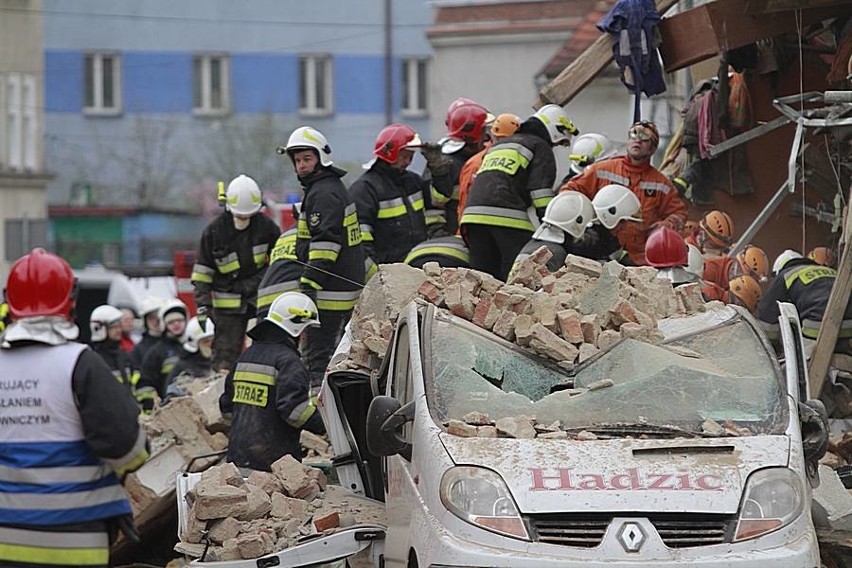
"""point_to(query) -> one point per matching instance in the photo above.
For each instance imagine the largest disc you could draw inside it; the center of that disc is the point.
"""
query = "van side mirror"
(814, 425)
(385, 418)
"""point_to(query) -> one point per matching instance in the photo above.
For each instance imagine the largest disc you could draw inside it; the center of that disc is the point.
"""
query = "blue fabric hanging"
(633, 24)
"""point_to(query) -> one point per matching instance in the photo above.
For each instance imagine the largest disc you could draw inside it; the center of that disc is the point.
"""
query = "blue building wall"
(155, 235)
(156, 40)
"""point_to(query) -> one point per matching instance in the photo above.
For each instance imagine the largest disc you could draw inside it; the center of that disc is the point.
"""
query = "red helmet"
(40, 284)
(467, 123)
(394, 138)
(665, 248)
(456, 104)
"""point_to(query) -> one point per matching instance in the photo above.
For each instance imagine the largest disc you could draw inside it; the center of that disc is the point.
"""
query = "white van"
(690, 454)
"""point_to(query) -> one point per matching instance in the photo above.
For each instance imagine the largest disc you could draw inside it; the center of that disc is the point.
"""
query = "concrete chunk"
(570, 325)
(220, 502)
(832, 503)
(257, 506)
(461, 429)
(224, 529)
(516, 427)
(551, 345)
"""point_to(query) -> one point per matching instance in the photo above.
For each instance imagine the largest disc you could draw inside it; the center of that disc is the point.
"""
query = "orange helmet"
(665, 248)
(822, 255)
(505, 124)
(754, 262)
(718, 227)
(40, 284)
(746, 290)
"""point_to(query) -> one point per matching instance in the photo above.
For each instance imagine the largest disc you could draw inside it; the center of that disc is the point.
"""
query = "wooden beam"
(765, 6)
(574, 78)
(829, 329)
(713, 28)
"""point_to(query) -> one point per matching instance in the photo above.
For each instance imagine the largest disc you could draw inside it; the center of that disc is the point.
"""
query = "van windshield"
(723, 374)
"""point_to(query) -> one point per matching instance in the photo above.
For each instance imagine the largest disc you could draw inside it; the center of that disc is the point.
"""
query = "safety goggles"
(640, 133)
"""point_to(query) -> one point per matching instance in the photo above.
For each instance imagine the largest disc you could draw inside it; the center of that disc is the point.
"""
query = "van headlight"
(480, 497)
(772, 499)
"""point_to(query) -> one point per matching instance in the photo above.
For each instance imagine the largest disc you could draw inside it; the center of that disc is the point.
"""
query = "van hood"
(625, 474)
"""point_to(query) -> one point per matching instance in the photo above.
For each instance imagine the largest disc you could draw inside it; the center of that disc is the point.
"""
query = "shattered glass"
(724, 374)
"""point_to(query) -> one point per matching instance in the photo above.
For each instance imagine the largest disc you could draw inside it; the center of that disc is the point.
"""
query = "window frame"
(309, 87)
(410, 87)
(205, 83)
(97, 107)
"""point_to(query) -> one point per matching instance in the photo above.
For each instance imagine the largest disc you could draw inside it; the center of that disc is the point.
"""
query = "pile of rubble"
(567, 316)
(237, 518)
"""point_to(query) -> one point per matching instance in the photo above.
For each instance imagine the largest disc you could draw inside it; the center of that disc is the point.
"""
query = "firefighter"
(196, 359)
(504, 125)
(715, 233)
(467, 133)
(824, 256)
(807, 285)
(153, 329)
(162, 357)
(719, 270)
(232, 258)
(585, 151)
(743, 291)
(666, 251)
(389, 198)
(283, 272)
(447, 252)
(63, 460)
(328, 245)
(105, 325)
(661, 205)
(516, 173)
(562, 230)
(267, 394)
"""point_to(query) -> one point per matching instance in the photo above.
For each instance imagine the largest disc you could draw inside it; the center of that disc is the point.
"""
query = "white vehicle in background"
(691, 454)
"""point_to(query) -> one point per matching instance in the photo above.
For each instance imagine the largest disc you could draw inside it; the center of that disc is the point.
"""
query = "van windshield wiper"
(619, 429)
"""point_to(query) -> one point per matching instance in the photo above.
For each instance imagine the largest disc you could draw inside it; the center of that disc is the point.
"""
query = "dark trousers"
(320, 342)
(493, 249)
(229, 339)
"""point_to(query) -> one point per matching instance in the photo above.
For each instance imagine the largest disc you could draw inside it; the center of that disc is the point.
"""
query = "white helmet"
(149, 305)
(293, 312)
(558, 125)
(695, 262)
(194, 334)
(614, 203)
(243, 196)
(570, 211)
(102, 317)
(593, 147)
(173, 305)
(783, 259)
(306, 137)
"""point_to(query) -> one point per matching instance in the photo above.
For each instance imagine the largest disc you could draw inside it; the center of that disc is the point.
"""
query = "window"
(103, 84)
(22, 235)
(210, 84)
(315, 85)
(18, 122)
(414, 87)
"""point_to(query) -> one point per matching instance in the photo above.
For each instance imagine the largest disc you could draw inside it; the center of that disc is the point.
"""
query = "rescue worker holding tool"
(162, 357)
(267, 394)
(807, 285)
(63, 456)
(661, 205)
(328, 245)
(232, 257)
(389, 197)
(466, 135)
(517, 173)
(105, 326)
(283, 272)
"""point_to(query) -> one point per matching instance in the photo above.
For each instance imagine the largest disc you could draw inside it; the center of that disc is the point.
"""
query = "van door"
(405, 384)
(794, 354)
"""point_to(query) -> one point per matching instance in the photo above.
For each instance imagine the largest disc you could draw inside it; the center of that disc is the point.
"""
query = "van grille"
(676, 531)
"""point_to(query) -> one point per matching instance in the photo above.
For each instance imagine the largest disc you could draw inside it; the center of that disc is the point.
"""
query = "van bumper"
(794, 546)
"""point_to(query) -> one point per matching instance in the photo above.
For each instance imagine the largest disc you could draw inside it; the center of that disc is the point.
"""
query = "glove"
(437, 162)
(202, 316)
(315, 425)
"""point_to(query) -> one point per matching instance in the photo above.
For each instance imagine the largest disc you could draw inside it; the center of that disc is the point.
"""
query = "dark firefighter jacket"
(448, 252)
(516, 172)
(390, 211)
(267, 395)
(329, 241)
(118, 361)
(807, 285)
(442, 199)
(156, 368)
(230, 263)
(141, 348)
(282, 274)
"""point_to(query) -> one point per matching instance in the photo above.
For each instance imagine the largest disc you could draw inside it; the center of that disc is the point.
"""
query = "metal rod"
(794, 155)
(759, 221)
(749, 135)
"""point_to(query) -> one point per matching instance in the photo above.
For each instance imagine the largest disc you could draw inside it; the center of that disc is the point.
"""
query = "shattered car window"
(723, 374)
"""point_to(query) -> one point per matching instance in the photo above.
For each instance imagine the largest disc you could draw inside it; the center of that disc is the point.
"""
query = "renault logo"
(631, 536)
